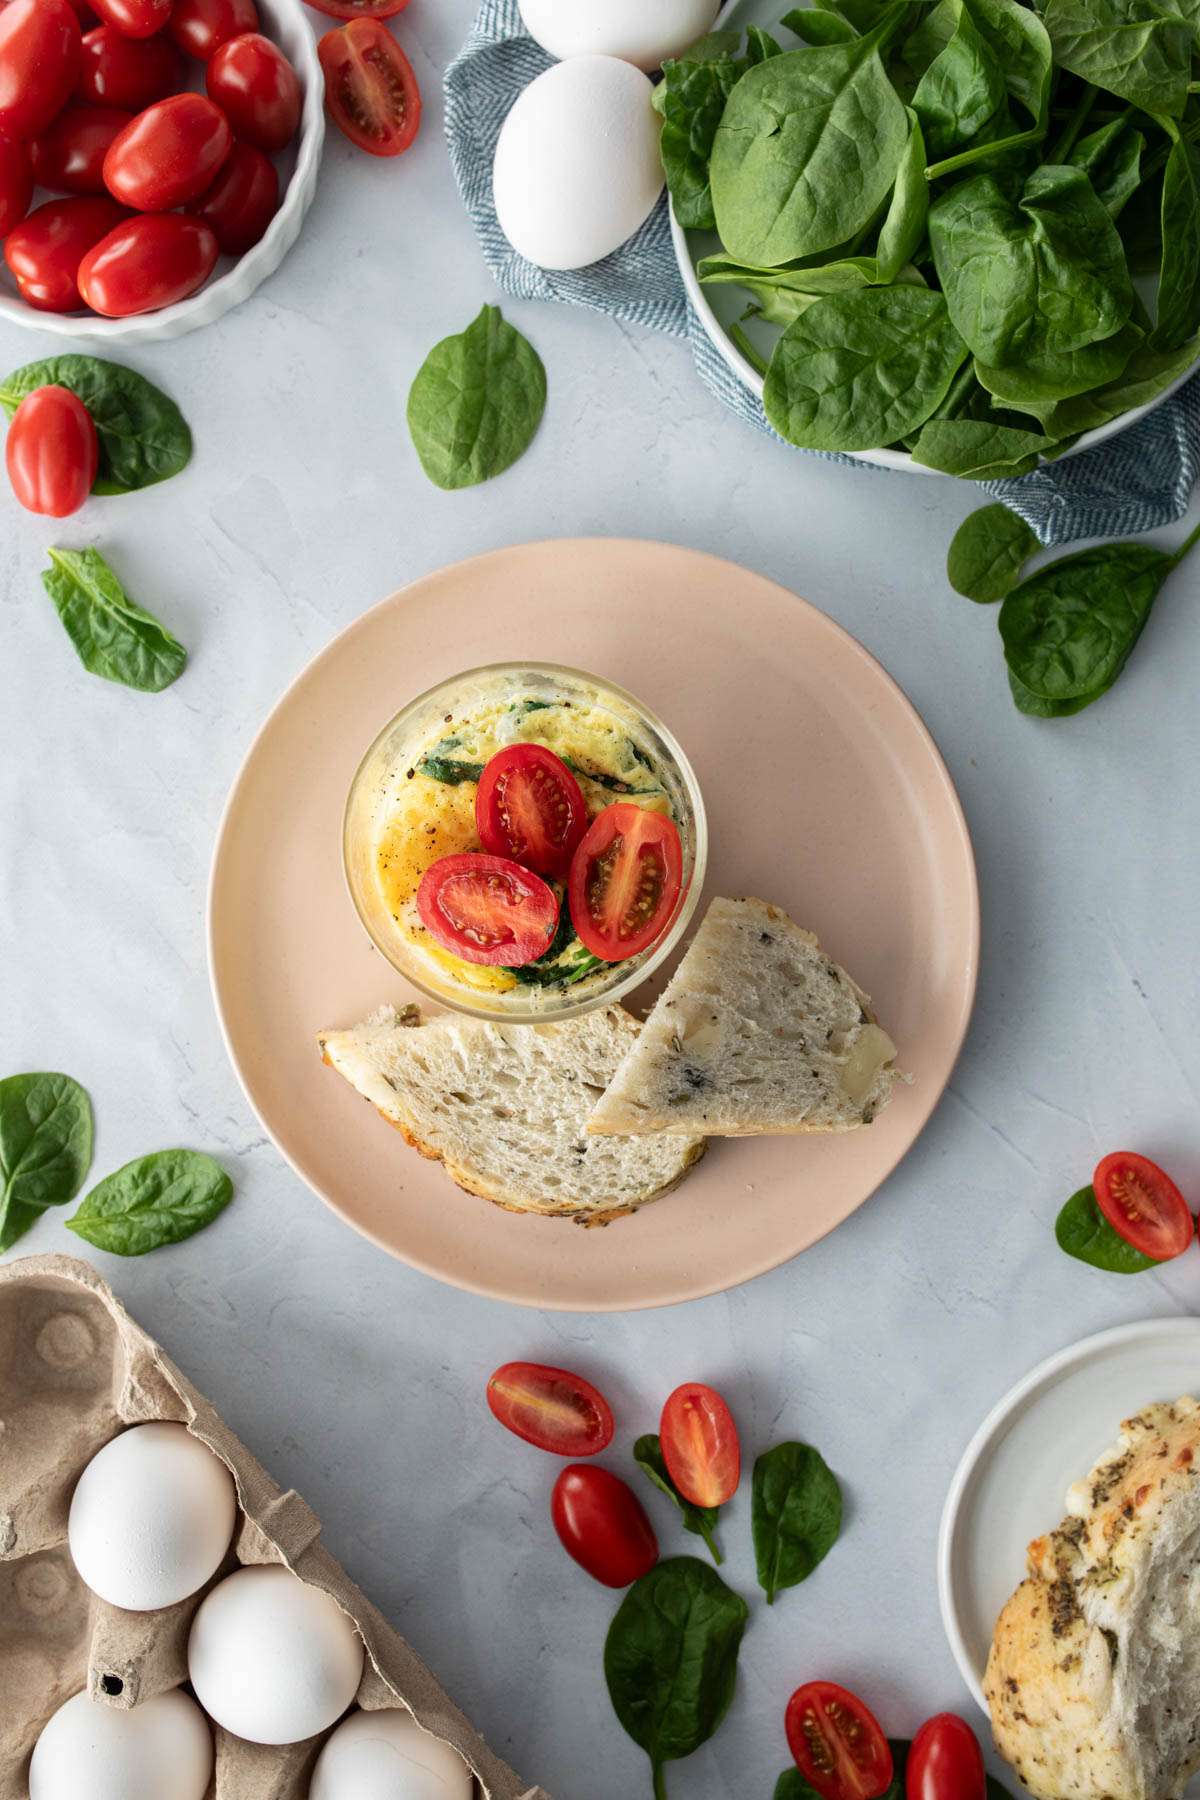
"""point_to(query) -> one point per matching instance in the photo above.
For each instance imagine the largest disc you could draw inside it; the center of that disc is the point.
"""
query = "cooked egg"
(162, 1748)
(271, 1658)
(151, 1517)
(387, 1756)
(577, 167)
(645, 32)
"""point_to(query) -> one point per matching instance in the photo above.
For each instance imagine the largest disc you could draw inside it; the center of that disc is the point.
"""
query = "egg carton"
(74, 1371)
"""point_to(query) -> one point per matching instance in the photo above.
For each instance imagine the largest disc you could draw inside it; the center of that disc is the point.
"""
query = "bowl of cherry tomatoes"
(156, 162)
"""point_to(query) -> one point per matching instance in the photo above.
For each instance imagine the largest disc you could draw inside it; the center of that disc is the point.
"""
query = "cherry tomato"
(16, 183)
(602, 1524)
(135, 18)
(700, 1445)
(152, 261)
(128, 72)
(52, 452)
(359, 9)
(241, 202)
(625, 882)
(257, 89)
(44, 252)
(371, 92)
(837, 1743)
(202, 26)
(39, 60)
(69, 156)
(169, 154)
(529, 806)
(945, 1762)
(552, 1408)
(487, 909)
(1142, 1204)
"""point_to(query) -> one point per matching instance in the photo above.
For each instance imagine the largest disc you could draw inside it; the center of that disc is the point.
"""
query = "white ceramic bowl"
(286, 23)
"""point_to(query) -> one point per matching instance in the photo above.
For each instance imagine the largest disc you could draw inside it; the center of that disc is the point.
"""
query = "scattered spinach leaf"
(1083, 1232)
(792, 1786)
(114, 636)
(143, 436)
(701, 1521)
(157, 1199)
(796, 1515)
(45, 1148)
(477, 402)
(988, 552)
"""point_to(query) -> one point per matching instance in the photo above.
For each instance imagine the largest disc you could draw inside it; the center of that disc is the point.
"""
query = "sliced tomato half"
(529, 806)
(552, 1408)
(1143, 1205)
(487, 909)
(700, 1445)
(625, 882)
(371, 91)
(837, 1743)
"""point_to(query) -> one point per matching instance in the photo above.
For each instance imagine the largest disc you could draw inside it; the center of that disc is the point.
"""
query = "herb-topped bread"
(758, 1032)
(505, 1107)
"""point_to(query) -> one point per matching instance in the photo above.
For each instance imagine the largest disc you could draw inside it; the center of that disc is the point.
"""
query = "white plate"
(1046, 1433)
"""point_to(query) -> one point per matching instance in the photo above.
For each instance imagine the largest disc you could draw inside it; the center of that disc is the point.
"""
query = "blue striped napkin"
(1140, 479)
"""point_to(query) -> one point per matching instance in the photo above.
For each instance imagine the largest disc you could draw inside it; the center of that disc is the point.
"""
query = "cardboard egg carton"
(74, 1371)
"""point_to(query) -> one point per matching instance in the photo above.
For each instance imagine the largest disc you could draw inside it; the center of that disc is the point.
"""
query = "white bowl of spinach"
(951, 236)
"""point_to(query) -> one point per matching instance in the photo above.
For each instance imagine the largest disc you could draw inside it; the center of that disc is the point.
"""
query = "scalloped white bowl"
(286, 22)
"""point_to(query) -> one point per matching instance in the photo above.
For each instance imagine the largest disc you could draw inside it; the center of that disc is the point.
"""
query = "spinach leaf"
(1038, 380)
(796, 1515)
(476, 403)
(1039, 273)
(807, 150)
(817, 27)
(1083, 1232)
(1138, 49)
(792, 1786)
(448, 769)
(691, 98)
(670, 1659)
(114, 636)
(1111, 158)
(1021, 45)
(962, 88)
(1179, 281)
(144, 437)
(988, 552)
(1036, 706)
(157, 1199)
(45, 1148)
(699, 1520)
(858, 370)
(977, 449)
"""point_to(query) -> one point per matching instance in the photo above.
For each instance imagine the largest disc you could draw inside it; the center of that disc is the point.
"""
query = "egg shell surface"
(387, 1756)
(577, 167)
(151, 1517)
(271, 1658)
(643, 32)
(160, 1750)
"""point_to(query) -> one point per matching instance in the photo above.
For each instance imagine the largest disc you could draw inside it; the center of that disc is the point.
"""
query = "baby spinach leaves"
(1083, 1232)
(477, 402)
(962, 88)
(978, 449)
(691, 98)
(1179, 280)
(45, 1148)
(988, 552)
(157, 1199)
(114, 636)
(796, 1515)
(670, 1659)
(144, 437)
(1135, 48)
(701, 1521)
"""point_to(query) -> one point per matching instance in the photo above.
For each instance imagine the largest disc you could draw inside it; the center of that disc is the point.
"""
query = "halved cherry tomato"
(39, 61)
(625, 881)
(1143, 1205)
(16, 183)
(552, 1408)
(241, 202)
(202, 26)
(603, 1525)
(529, 806)
(371, 92)
(359, 9)
(837, 1743)
(257, 89)
(700, 1445)
(45, 250)
(135, 18)
(169, 154)
(148, 262)
(945, 1762)
(52, 452)
(132, 73)
(68, 158)
(487, 909)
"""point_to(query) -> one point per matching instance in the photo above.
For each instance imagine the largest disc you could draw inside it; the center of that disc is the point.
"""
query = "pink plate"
(825, 794)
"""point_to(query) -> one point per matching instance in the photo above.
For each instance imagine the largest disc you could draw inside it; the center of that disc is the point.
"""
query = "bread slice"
(505, 1108)
(1093, 1681)
(757, 1032)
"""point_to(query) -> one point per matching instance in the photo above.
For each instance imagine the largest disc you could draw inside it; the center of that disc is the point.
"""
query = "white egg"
(160, 1750)
(387, 1756)
(151, 1517)
(645, 32)
(271, 1658)
(577, 167)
